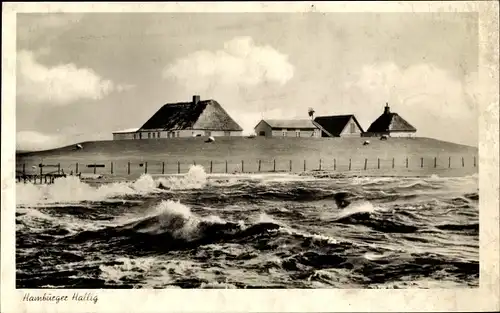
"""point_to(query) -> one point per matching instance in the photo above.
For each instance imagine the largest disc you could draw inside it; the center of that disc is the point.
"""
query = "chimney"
(196, 99)
(387, 110)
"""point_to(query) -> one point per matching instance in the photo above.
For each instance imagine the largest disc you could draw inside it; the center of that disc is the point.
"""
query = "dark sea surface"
(249, 231)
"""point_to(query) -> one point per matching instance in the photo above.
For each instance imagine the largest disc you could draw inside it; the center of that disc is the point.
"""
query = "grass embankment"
(425, 156)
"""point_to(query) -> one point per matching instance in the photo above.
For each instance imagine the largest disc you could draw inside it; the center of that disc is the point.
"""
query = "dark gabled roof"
(390, 122)
(204, 115)
(292, 124)
(335, 124)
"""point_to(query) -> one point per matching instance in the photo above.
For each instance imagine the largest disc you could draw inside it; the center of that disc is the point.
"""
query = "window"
(262, 133)
(140, 135)
(154, 135)
(149, 135)
(297, 133)
(134, 136)
(284, 132)
(158, 135)
(353, 128)
(227, 133)
(178, 133)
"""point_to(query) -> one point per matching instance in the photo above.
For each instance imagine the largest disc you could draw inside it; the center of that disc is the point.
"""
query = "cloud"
(241, 63)
(59, 85)
(36, 141)
(436, 103)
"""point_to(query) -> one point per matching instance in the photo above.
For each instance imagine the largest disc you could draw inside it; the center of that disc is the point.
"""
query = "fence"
(128, 168)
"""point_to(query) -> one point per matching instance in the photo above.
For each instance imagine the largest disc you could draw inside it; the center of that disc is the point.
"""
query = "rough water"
(248, 231)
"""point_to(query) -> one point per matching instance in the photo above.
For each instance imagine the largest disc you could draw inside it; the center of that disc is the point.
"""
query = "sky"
(82, 76)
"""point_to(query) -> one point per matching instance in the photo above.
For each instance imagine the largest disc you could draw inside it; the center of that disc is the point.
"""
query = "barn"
(287, 128)
(390, 124)
(186, 119)
(339, 126)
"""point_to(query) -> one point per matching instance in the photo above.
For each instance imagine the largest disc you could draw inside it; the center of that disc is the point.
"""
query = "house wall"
(351, 129)
(123, 136)
(155, 134)
(293, 133)
(391, 134)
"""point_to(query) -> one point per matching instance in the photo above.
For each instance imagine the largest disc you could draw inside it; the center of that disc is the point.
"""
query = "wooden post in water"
(111, 167)
(349, 164)
(366, 161)
(259, 165)
(463, 164)
(211, 165)
(163, 167)
(290, 165)
(128, 168)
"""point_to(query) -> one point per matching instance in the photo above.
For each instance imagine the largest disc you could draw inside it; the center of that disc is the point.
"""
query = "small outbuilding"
(287, 128)
(338, 126)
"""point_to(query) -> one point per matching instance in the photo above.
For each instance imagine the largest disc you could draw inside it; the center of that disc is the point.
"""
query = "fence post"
(128, 168)
(259, 165)
(366, 161)
(392, 162)
(163, 167)
(320, 164)
(24, 171)
(58, 168)
(76, 168)
(274, 165)
(290, 165)
(178, 167)
(349, 164)
(421, 162)
(95, 167)
(463, 164)
(449, 162)
(111, 167)
(194, 163)
(145, 167)
(304, 165)
(226, 166)
(378, 163)
(242, 166)
(41, 172)
(334, 164)
(406, 162)
(474, 161)
(211, 166)
(435, 162)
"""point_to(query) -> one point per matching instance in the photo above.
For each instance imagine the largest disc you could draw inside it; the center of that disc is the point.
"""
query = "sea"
(200, 230)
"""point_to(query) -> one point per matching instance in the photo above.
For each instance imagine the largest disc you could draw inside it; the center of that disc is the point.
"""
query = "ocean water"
(249, 231)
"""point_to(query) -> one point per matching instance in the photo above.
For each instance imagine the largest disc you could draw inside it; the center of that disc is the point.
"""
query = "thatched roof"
(390, 122)
(292, 124)
(335, 124)
(199, 115)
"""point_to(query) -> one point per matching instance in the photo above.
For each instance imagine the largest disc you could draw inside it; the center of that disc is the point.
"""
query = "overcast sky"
(82, 76)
